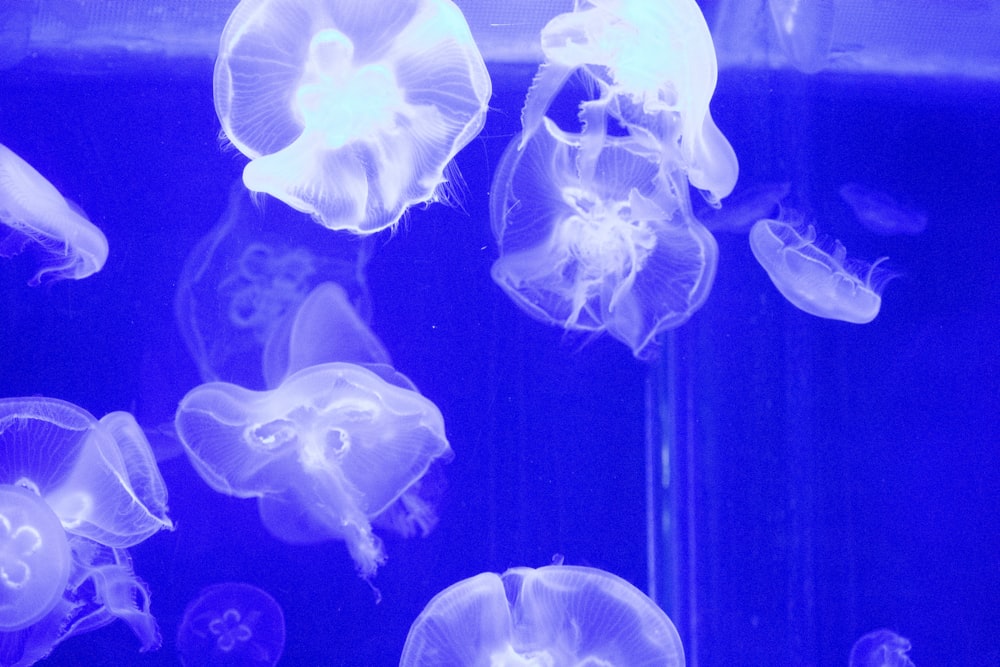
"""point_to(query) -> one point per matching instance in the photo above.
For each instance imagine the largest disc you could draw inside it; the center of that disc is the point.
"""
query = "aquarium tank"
(460, 332)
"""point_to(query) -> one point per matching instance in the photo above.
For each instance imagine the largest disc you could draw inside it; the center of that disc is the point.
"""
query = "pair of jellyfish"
(554, 615)
(595, 229)
(350, 111)
(32, 212)
(338, 442)
(75, 493)
(232, 624)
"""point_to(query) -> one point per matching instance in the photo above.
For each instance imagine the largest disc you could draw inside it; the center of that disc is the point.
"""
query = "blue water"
(828, 479)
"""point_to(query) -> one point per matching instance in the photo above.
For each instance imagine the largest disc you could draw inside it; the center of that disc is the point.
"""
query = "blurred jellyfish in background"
(251, 273)
(555, 615)
(232, 624)
(595, 229)
(881, 648)
(350, 110)
(327, 451)
(880, 213)
(805, 31)
(820, 282)
(32, 212)
(744, 207)
(75, 492)
(607, 250)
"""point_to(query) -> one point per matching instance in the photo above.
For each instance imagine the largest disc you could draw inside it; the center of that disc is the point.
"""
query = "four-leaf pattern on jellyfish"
(75, 493)
(350, 111)
(595, 231)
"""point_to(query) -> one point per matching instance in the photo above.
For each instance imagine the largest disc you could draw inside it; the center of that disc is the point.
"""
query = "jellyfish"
(744, 207)
(326, 452)
(350, 111)
(249, 275)
(33, 211)
(881, 213)
(805, 31)
(554, 615)
(607, 247)
(75, 493)
(232, 624)
(881, 648)
(654, 67)
(821, 283)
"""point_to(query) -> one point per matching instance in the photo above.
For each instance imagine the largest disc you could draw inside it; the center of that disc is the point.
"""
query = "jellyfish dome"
(232, 624)
(75, 492)
(555, 615)
(349, 110)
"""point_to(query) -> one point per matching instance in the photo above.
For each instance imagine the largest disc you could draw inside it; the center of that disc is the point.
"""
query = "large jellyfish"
(232, 624)
(75, 492)
(350, 110)
(602, 243)
(326, 452)
(653, 65)
(249, 275)
(33, 211)
(821, 283)
(881, 648)
(555, 615)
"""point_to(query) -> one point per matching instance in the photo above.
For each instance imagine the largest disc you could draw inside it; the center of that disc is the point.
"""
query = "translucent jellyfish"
(350, 111)
(653, 65)
(555, 615)
(881, 648)
(75, 492)
(326, 452)
(881, 213)
(821, 283)
(232, 624)
(250, 274)
(805, 31)
(33, 211)
(610, 246)
(744, 207)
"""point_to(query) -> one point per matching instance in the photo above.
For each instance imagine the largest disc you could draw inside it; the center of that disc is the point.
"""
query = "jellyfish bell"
(232, 624)
(817, 281)
(33, 212)
(350, 111)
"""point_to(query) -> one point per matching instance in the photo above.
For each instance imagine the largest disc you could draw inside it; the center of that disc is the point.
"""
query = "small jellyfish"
(232, 624)
(249, 275)
(881, 648)
(33, 211)
(350, 111)
(880, 213)
(814, 280)
(75, 492)
(326, 452)
(555, 615)
(608, 246)
(654, 67)
(805, 31)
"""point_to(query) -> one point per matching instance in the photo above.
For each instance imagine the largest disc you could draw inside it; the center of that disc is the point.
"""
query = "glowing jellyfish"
(881, 648)
(33, 211)
(881, 213)
(249, 275)
(350, 110)
(232, 624)
(611, 246)
(333, 447)
(818, 282)
(75, 492)
(555, 615)
(654, 67)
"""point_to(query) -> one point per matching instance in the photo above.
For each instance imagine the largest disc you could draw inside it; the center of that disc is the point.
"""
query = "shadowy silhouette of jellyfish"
(601, 243)
(654, 69)
(232, 624)
(33, 212)
(805, 31)
(881, 648)
(880, 213)
(555, 615)
(350, 110)
(75, 492)
(821, 283)
(249, 274)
